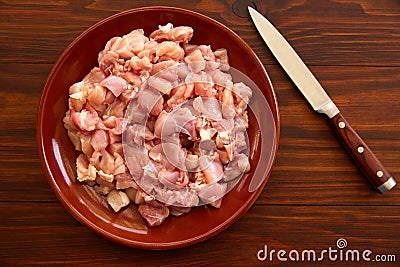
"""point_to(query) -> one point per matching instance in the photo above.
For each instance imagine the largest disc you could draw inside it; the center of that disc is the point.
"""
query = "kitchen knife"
(308, 85)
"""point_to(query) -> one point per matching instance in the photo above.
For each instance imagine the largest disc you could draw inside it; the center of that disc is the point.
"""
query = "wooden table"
(315, 194)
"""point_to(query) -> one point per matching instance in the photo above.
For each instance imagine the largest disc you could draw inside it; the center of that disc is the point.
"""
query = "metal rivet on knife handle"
(368, 163)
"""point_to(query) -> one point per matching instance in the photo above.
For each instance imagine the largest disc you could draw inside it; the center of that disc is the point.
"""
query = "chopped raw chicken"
(115, 84)
(180, 34)
(117, 200)
(154, 212)
(86, 171)
(160, 123)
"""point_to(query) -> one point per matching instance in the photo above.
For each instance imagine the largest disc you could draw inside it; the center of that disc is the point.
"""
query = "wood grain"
(315, 194)
(279, 227)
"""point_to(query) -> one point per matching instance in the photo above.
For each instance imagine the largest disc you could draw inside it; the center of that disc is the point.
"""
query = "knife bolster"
(328, 108)
(389, 184)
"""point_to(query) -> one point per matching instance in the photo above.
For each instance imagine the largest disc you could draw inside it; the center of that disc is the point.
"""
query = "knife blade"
(319, 100)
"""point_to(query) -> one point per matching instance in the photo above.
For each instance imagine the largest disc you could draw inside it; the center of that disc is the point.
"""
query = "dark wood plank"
(31, 229)
(324, 32)
(21, 172)
(338, 32)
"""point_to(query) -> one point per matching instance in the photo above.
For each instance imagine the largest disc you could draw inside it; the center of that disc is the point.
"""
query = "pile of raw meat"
(159, 123)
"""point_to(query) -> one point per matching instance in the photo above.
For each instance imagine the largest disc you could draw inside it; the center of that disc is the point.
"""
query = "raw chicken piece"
(148, 98)
(99, 140)
(125, 180)
(209, 107)
(117, 200)
(180, 34)
(162, 66)
(115, 84)
(138, 64)
(221, 57)
(180, 94)
(169, 51)
(84, 120)
(212, 193)
(136, 40)
(119, 164)
(202, 81)
(154, 213)
(196, 61)
(160, 84)
(86, 171)
(95, 76)
(96, 97)
(212, 169)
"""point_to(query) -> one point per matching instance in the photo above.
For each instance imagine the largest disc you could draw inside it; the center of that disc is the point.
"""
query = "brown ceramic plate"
(58, 155)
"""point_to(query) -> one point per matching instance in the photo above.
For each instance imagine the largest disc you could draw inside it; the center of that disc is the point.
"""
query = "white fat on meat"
(117, 200)
(86, 171)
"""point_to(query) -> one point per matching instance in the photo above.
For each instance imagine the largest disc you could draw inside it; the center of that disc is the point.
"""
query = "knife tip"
(251, 10)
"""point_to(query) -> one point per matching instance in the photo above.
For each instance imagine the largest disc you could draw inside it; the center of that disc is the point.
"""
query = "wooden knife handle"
(365, 159)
